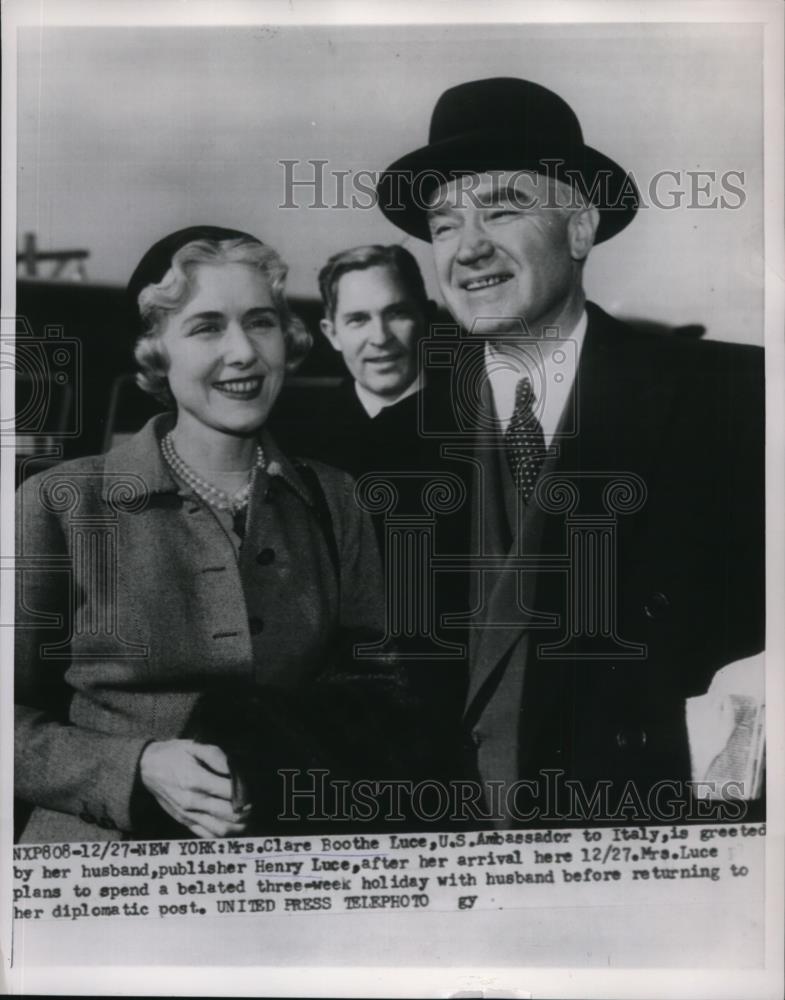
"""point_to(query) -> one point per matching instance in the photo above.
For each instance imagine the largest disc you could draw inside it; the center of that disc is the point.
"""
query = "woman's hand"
(192, 782)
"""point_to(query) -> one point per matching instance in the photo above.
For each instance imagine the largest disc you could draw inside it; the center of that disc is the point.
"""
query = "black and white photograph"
(392, 537)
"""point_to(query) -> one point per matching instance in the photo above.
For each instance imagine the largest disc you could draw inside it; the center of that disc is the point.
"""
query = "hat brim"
(406, 185)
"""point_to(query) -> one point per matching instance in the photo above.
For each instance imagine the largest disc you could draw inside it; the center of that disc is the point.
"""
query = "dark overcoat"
(632, 576)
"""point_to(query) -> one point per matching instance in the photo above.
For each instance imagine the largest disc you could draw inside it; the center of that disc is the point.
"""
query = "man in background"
(376, 311)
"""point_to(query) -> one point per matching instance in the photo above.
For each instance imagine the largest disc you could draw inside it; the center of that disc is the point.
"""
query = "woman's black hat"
(158, 259)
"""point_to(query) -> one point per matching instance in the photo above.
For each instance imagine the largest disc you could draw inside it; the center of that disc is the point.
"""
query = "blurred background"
(127, 133)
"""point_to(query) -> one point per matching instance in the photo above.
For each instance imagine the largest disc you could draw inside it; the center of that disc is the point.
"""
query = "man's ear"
(581, 230)
(328, 329)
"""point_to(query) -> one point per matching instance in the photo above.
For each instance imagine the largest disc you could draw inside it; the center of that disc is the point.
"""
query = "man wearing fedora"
(615, 477)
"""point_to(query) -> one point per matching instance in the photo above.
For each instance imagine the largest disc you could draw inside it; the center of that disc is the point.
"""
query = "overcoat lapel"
(490, 531)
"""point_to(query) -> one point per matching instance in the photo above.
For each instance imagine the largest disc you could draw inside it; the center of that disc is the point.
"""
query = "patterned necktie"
(524, 441)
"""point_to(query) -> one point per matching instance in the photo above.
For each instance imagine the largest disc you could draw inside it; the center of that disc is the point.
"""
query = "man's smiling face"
(377, 326)
(504, 250)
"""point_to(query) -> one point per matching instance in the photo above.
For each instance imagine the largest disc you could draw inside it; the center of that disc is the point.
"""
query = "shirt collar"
(136, 469)
(549, 371)
(373, 404)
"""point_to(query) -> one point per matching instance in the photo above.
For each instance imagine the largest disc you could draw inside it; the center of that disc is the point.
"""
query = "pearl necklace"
(209, 493)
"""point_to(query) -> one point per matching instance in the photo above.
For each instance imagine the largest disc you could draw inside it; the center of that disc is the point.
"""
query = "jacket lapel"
(504, 596)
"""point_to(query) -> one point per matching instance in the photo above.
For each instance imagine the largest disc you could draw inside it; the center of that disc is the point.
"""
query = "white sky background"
(125, 134)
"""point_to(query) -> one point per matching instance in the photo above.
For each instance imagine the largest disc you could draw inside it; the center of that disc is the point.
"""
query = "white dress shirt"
(373, 404)
(551, 365)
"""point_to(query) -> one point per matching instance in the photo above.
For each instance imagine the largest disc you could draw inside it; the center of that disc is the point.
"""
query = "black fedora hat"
(504, 124)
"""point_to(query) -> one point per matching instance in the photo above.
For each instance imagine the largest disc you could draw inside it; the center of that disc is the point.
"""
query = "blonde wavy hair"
(156, 302)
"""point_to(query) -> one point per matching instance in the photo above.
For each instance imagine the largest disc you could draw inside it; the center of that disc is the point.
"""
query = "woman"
(193, 557)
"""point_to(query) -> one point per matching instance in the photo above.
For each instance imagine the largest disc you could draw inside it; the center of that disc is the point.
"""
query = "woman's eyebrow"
(214, 314)
(208, 314)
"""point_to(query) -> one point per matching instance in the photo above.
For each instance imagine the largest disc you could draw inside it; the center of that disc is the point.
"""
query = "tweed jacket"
(131, 601)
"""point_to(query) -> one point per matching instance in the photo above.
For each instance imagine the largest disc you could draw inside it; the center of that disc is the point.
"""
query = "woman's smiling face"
(226, 350)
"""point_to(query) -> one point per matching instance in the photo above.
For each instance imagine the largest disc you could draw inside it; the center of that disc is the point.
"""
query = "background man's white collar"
(373, 404)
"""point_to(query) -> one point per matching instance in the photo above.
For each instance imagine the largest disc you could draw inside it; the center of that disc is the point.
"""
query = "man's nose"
(378, 331)
(474, 244)
(239, 349)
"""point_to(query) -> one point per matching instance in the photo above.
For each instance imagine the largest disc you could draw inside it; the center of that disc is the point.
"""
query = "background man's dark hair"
(361, 258)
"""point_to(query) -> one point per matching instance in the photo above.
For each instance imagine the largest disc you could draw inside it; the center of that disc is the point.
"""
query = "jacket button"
(656, 606)
(265, 557)
(255, 625)
(631, 739)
